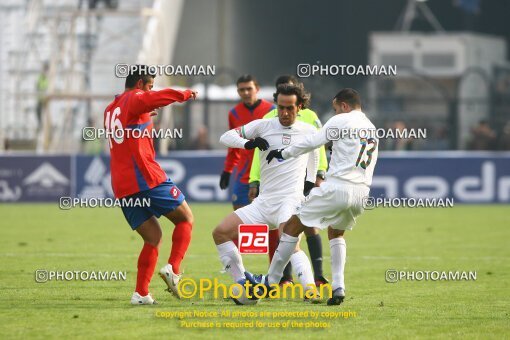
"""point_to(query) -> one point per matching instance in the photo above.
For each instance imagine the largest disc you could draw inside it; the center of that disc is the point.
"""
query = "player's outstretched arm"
(150, 100)
(232, 139)
(246, 137)
(315, 121)
(311, 171)
(255, 164)
(312, 165)
(309, 143)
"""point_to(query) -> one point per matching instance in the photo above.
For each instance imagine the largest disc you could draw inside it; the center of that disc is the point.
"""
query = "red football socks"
(146, 264)
(181, 238)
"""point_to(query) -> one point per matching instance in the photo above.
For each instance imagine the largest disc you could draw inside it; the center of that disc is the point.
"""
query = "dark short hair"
(303, 98)
(286, 79)
(246, 78)
(137, 72)
(349, 96)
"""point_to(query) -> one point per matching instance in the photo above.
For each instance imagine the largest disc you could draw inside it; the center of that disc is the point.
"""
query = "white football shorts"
(335, 204)
(272, 211)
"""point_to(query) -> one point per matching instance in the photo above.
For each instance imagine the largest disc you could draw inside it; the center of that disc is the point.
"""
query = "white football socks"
(231, 260)
(303, 270)
(338, 256)
(281, 257)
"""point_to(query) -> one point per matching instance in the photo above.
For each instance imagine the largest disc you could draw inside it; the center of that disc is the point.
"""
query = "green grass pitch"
(470, 238)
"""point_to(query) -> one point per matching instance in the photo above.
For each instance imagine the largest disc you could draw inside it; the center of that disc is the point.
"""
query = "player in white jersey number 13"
(282, 183)
(339, 200)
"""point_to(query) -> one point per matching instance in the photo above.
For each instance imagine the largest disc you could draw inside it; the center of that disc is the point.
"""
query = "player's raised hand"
(194, 94)
(274, 154)
(258, 142)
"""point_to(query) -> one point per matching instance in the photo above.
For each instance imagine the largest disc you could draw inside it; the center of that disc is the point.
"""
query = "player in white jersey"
(282, 183)
(339, 200)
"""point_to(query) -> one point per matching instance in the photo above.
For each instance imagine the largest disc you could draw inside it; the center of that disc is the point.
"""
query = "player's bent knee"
(293, 227)
(181, 214)
(219, 234)
(215, 234)
(154, 243)
(154, 239)
(188, 215)
(189, 218)
(335, 233)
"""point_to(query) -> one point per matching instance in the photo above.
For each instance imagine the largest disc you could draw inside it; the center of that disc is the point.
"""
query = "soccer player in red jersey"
(136, 175)
(250, 108)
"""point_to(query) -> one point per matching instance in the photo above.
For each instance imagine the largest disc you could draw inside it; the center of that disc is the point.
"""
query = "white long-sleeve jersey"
(284, 178)
(353, 158)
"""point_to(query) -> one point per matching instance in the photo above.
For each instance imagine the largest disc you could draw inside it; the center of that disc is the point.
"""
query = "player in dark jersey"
(135, 174)
(250, 108)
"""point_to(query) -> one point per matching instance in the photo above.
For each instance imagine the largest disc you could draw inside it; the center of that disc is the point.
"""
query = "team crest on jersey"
(286, 139)
(174, 192)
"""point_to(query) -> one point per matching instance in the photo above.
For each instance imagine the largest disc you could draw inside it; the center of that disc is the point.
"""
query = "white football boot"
(137, 299)
(337, 298)
(171, 279)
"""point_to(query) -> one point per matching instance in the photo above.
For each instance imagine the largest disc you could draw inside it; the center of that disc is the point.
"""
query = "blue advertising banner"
(197, 174)
(34, 179)
(465, 177)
